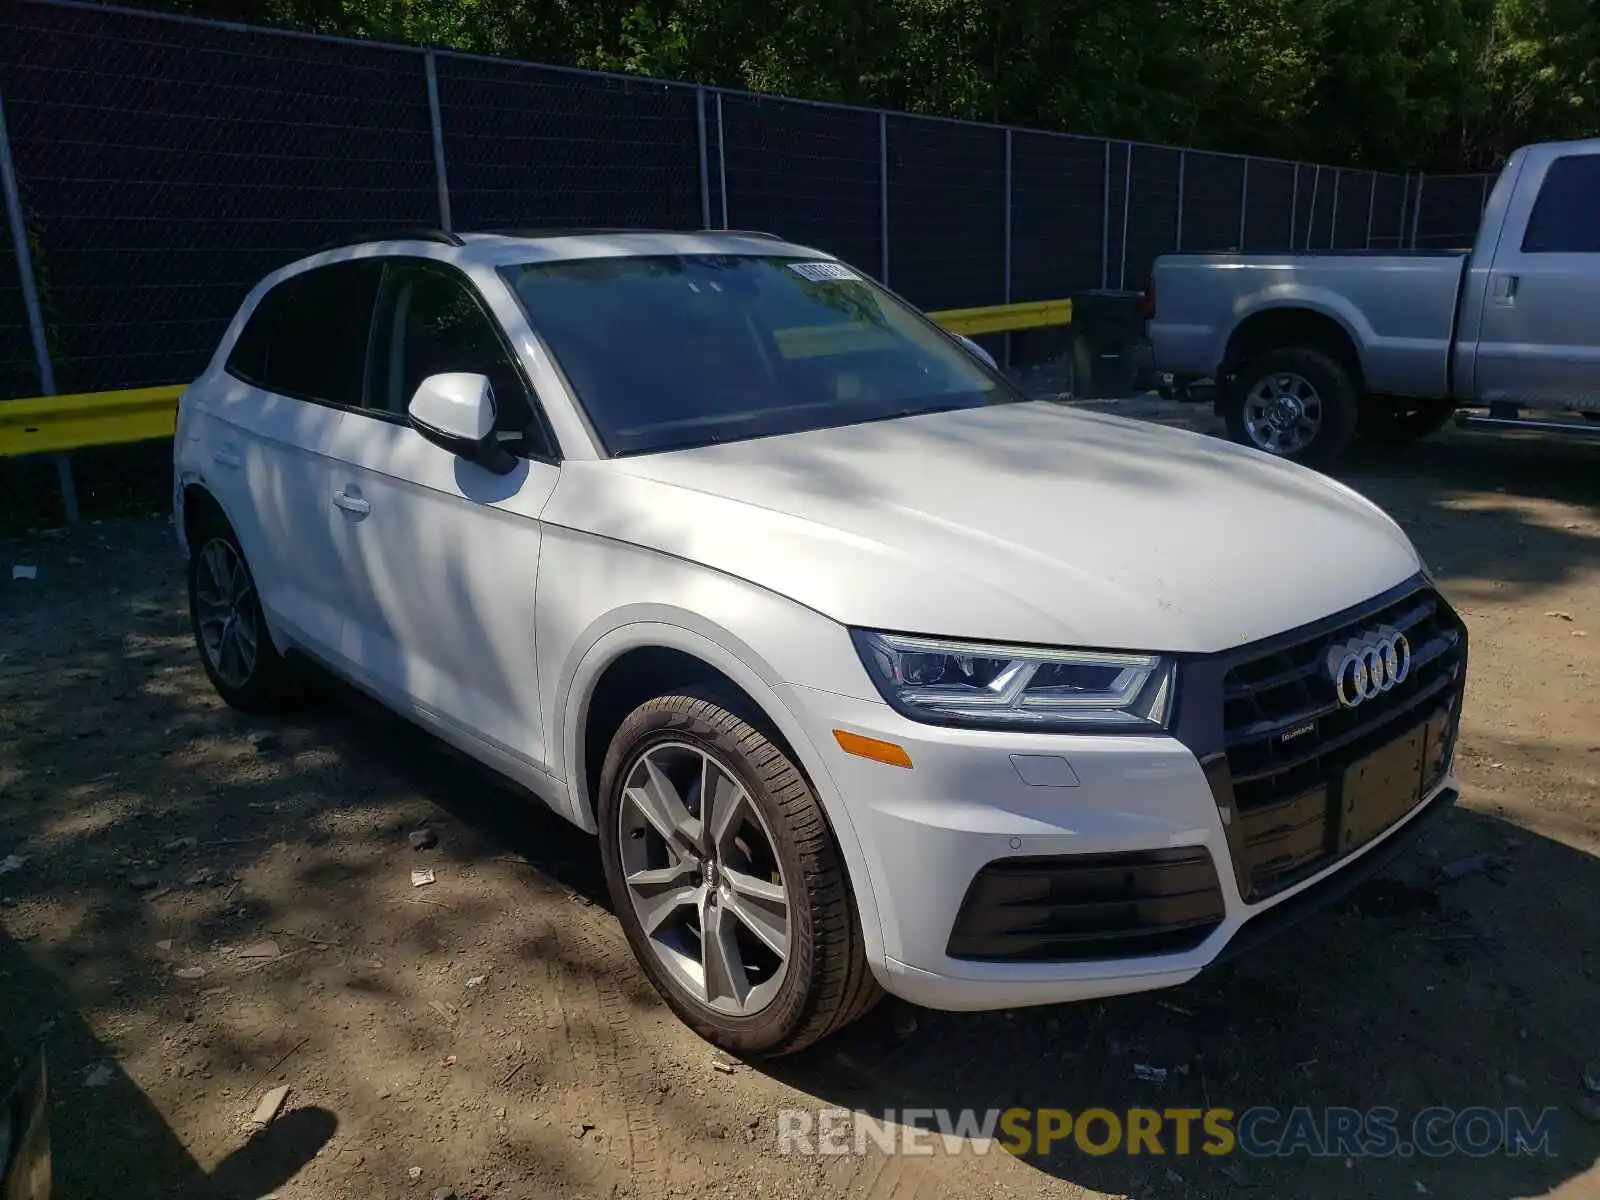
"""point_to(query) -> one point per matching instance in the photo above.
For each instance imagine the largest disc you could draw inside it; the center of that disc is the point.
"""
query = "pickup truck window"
(1566, 216)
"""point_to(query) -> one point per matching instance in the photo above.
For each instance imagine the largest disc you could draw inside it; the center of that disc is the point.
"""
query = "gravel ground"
(207, 907)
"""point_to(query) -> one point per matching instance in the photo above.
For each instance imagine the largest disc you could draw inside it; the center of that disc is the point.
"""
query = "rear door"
(440, 556)
(1539, 341)
(295, 369)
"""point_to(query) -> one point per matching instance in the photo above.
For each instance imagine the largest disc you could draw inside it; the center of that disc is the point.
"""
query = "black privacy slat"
(806, 172)
(528, 147)
(165, 167)
(1269, 206)
(1058, 229)
(1212, 187)
(946, 212)
(1153, 210)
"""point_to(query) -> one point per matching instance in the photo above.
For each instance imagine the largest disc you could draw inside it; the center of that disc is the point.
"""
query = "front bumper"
(926, 834)
(1009, 869)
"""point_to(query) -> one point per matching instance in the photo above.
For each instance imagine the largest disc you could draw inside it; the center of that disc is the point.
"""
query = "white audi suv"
(868, 672)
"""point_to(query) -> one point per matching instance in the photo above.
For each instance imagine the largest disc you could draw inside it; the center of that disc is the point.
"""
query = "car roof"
(497, 249)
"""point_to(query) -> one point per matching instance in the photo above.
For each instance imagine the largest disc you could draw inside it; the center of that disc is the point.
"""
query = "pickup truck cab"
(1308, 350)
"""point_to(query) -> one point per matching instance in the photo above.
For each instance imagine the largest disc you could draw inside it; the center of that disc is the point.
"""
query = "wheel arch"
(196, 501)
(610, 680)
(1294, 325)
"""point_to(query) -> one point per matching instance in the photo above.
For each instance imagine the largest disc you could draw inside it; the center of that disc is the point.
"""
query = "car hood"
(1023, 522)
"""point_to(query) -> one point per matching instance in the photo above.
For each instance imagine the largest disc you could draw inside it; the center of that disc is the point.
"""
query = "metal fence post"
(1244, 200)
(1333, 221)
(1007, 283)
(1105, 224)
(1311, 217)
(1127, 203)
(1416, 208)
(1183, 165)
(30, 303)
(1294, 204)
(1372, 199)
(1405, 204)
(437, 126)
(722, 161)
(883, 197)
(705, 167)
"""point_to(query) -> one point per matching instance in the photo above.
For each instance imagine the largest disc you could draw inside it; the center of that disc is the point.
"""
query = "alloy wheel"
(226, 612)
(701, 869)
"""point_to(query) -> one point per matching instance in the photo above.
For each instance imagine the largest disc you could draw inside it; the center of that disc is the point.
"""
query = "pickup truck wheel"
(1296, 403)
(727, 881)
(1397, 420)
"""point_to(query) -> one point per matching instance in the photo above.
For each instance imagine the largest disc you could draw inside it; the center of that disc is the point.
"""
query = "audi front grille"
(1288, 740)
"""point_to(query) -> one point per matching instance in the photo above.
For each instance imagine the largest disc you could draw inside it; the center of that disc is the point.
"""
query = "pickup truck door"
(1539, 339)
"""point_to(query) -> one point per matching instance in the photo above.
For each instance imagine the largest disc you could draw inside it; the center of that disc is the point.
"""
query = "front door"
(1540, 337)
(440, 556)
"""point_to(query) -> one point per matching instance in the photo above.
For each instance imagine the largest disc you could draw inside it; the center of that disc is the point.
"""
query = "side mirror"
(455, 411)
(977, 351)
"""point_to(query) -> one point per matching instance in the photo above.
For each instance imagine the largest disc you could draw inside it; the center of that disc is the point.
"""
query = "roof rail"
(442, 236)
(569, 231)
(581, 231)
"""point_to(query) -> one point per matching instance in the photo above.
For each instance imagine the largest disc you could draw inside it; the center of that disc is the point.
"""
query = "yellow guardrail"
(1005, 318)
(57, 424)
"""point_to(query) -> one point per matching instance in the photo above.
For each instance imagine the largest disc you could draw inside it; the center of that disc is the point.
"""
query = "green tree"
(1394, 84)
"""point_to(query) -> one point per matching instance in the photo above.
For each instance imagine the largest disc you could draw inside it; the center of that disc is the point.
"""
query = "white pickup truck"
(1308, 350)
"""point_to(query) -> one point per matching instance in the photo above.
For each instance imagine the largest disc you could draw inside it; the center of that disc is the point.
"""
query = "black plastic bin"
(1107, 337)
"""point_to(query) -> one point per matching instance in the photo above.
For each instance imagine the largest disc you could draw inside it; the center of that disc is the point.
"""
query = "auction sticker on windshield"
(823, 272)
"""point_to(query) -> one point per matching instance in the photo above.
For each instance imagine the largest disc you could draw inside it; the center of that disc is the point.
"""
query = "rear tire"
(230, 630)
(666, 865)
(1294, 402)
(1400, 420)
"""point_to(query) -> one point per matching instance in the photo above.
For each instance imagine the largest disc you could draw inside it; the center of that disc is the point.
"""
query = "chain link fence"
(162, 164)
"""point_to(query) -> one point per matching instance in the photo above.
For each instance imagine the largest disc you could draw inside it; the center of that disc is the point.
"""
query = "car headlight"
(1018, 687)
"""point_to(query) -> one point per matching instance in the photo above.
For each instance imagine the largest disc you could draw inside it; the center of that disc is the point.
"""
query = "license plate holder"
(1376, 791)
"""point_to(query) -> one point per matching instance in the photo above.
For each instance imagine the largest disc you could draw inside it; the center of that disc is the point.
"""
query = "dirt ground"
(208, 906)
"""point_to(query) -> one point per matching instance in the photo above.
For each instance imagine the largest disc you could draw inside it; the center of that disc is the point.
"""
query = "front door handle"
(225, 457)
(352, 502)
(1505, 289)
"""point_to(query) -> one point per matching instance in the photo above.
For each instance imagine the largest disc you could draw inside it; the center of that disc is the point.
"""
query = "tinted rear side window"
(1566, 216)
(308, 336)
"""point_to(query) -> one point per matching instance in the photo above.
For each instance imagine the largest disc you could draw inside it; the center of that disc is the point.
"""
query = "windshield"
(670, 352)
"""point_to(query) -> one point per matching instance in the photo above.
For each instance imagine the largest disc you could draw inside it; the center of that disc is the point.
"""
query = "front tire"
(1294, 402)
(1400, 420)
(229, 628)
(727, 879)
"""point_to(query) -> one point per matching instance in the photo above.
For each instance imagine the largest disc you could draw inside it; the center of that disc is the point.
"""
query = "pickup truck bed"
(1400, 307)
(1307, 349)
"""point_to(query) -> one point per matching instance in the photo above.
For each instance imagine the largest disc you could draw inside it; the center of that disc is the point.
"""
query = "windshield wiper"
(709, 439)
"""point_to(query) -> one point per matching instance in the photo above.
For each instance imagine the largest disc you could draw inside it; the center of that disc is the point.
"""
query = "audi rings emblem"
(1370, 665)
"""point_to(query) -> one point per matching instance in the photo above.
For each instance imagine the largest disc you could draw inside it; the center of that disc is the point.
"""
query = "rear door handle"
(352, 502)
(225, 457)
(1505, 289)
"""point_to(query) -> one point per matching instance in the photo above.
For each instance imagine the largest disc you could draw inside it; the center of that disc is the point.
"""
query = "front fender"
(674, 630)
